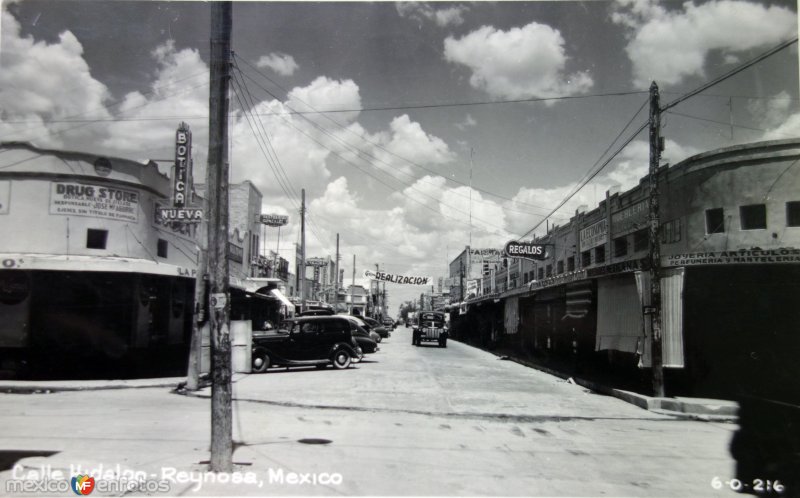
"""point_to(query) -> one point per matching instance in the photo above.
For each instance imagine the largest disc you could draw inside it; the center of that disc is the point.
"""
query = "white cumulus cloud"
(668, 46)
(522, 62)
(282, 64)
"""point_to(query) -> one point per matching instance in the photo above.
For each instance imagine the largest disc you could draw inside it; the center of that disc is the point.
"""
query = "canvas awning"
(283, 299)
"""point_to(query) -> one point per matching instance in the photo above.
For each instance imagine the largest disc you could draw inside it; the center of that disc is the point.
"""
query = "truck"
(431, 326)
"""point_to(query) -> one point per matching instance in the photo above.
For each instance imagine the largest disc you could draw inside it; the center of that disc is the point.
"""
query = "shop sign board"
(98, 201)
(525, 250)
(316, 262)
(632, 217)
(235, 253)
(273, 220)
(181, 215)
(594, 235)
(741, 256)
(183, 158)
(397, 279)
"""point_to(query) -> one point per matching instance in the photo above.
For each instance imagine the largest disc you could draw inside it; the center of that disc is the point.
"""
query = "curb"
(26, 387)
(708, 410)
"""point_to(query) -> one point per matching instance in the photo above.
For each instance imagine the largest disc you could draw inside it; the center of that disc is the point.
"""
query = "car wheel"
(260, 361)
(379, 339)
(341, 359)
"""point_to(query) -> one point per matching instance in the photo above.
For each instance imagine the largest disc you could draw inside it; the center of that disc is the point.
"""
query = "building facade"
(730, 257)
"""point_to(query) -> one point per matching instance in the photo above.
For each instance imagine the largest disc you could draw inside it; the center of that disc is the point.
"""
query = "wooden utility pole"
(303, 250)
(336, 274)
(655, 249)
(217, 209)
(353, 286)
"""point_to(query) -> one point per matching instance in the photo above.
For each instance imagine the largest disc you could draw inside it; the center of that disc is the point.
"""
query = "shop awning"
(62, 262)
(283, 299)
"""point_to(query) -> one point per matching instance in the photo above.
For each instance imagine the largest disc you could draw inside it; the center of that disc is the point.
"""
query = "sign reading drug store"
(525, 250)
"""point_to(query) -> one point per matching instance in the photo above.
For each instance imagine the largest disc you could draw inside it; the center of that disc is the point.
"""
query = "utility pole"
(336, 275)
(655, 249)
(353, 286)
(217, 209)
(302, 249)
(461, 281)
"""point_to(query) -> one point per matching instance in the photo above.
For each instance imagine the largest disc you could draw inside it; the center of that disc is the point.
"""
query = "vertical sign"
(183, 159)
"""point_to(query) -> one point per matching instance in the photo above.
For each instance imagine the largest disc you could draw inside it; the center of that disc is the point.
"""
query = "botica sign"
(525, 250)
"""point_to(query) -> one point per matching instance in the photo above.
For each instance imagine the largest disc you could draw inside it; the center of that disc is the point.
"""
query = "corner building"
(91, 278)
(730, 257)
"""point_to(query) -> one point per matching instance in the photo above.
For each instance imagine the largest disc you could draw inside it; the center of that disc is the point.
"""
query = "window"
(641, 240)
(793, 214)
(549, 270)
(586, 258)
(671, 231)
(162, 248)
(96, 239)
(753, 217)
(620, 246)
(600, 254)
(571, 263)
(560, 267)
(541, 273)
(715, 220)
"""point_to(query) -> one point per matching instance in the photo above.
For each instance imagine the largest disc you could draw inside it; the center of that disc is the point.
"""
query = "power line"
(408, 161)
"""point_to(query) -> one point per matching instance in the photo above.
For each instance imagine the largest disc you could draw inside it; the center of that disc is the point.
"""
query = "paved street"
(409, 421)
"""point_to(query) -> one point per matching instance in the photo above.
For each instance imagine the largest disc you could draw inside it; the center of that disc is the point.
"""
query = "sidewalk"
(717, 410)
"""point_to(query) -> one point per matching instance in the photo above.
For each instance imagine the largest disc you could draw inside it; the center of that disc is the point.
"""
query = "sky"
(416, 129)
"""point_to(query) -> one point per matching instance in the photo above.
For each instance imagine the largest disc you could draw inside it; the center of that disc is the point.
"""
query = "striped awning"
(579, 299)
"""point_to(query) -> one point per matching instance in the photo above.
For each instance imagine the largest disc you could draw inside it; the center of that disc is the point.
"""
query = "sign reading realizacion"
(397, 279)
(272, 220)
(100, 201)
(525, 250)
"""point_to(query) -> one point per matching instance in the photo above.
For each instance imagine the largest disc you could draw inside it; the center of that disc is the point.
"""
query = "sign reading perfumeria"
(100, 201)
(397, 279)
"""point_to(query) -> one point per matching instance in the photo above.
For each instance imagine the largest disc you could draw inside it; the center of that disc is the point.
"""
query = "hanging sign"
(316, 262)
(525, 250)
(397, 279)
(183, 158)
(272, 220)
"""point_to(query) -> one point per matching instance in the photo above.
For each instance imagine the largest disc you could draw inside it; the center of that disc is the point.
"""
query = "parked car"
(367, 344)
(307, 341)
(377, 327)
(431, 327)
(388, 322)
(359, 320)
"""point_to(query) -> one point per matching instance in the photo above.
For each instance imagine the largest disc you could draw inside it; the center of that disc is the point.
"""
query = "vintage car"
(307, 341)
(431, 326)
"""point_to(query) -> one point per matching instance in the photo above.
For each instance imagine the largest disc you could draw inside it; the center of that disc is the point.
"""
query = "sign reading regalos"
(525, 250)
(183, 160)
(272, 220)
(397, 279)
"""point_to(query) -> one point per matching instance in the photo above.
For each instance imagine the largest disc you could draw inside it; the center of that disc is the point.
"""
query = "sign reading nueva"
(525, 250)
(273, 220)
(397, 279)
